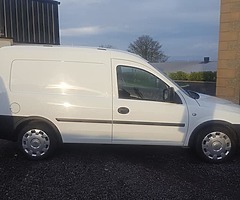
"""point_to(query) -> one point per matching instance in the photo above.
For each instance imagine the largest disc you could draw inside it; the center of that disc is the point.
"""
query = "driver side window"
(134, 83)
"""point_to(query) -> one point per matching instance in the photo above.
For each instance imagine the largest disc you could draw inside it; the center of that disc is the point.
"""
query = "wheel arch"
(26, 120)
(212, 123)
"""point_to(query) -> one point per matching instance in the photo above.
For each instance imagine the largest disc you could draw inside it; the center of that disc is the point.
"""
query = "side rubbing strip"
(120, 122)
(84, 121)
(149, 123)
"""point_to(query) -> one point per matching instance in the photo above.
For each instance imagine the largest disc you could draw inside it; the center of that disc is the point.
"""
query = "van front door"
(140, 114)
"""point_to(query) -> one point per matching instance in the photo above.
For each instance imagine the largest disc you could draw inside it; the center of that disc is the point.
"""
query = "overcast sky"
(187, 29)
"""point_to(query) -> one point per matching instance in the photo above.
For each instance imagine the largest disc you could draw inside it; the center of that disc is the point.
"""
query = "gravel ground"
(116, 172)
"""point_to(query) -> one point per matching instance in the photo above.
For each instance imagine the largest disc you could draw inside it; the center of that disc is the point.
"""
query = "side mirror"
(168, 95)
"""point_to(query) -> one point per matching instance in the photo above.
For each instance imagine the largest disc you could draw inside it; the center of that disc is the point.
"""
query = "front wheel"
(37, 141)
(216, 144)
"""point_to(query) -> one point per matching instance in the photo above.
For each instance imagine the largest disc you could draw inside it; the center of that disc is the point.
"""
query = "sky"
(186, 29)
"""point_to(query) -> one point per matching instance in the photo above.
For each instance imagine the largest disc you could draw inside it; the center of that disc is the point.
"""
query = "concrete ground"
(116, 172)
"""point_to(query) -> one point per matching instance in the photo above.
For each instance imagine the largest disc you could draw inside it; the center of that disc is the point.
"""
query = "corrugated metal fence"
(30, 21)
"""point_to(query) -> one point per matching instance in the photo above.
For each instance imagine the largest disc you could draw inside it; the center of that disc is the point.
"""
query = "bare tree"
(149, 49)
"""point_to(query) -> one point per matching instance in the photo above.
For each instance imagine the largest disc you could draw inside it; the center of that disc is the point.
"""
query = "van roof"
(49, 51)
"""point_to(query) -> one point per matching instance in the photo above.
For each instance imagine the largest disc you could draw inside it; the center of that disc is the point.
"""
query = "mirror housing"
(168, 95)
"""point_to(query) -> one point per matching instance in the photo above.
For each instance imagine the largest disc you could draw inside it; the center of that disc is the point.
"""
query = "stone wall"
(228, 76)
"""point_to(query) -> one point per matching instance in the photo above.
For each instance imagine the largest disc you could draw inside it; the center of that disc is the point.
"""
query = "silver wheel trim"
(35, 142)
(216, 145)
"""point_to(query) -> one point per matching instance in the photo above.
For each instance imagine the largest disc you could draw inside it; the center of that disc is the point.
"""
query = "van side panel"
(76, 96)
(58, 77)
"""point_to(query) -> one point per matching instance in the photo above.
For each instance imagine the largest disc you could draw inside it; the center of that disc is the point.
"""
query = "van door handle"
(123, 110)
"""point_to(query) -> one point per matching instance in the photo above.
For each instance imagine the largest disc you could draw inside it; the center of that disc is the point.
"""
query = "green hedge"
(194, 76)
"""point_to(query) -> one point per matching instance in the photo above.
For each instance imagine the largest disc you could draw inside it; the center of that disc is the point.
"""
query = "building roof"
(186, 66)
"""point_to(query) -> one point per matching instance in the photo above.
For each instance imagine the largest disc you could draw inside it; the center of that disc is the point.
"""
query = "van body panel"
(63, 87)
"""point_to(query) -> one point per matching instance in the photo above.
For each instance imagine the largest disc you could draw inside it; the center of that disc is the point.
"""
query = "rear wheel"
(37, 141)
(216, 144)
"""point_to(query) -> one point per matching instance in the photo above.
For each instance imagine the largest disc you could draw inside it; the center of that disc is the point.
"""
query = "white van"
(53, 95)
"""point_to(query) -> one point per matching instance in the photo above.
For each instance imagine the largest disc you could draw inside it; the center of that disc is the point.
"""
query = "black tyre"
(37, 141)
(216, 144)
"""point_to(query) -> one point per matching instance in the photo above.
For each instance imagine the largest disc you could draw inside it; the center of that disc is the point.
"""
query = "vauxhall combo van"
(54, 95)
